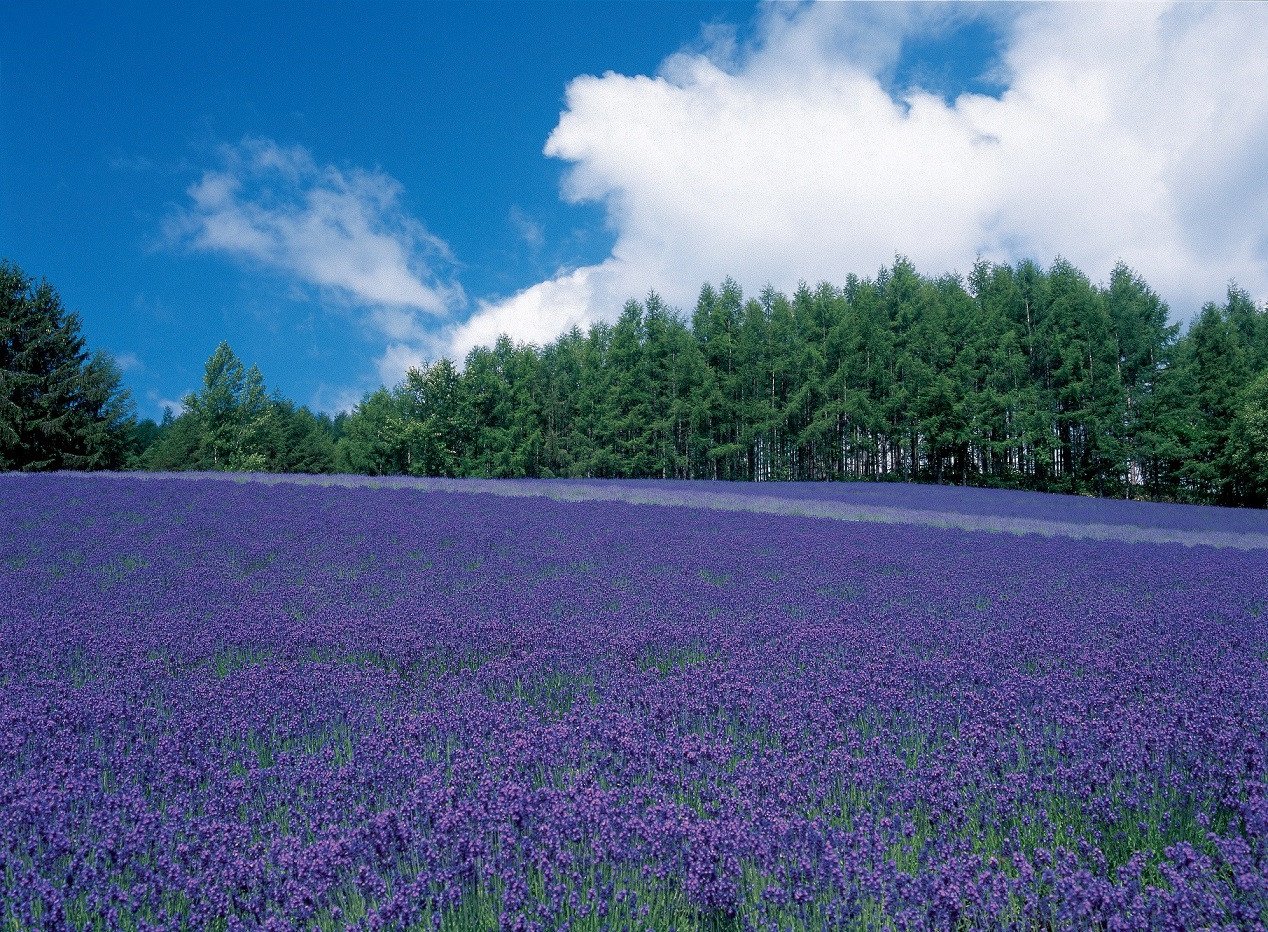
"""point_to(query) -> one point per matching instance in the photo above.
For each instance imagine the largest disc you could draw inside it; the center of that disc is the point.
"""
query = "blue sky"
(344, 190)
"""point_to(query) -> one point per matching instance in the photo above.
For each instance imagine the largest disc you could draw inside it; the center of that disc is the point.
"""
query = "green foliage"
(1214, 372)
(60, 407)
(233, 424)
(1019, 376)
(1248, 443)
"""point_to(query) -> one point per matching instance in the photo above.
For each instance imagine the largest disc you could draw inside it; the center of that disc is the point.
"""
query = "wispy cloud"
(530, 231)
(333, 400)
(1134, 132)
(343, 231)
(129, 362)
(159, 404)
(397, 360)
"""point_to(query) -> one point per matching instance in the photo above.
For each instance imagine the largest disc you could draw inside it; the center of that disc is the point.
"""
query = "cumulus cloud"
(1128, 132)
(343, 232)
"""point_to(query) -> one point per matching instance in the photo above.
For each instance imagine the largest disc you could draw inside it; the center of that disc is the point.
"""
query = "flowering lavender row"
(890, 503)
(239, 706)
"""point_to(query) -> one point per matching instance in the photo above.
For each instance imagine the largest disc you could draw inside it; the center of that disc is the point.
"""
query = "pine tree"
(817, 431)
(107, 414)
(1248, 443)
(754, 408)
(1217, 372)
(1144, 338)
(715, 324)
(60, 408)
(627, 405)
(1020, 377)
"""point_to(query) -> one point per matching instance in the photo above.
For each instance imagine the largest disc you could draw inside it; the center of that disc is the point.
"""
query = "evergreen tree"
(1019, 376)
(1251, 325)
(563, 446)
(107, 415)
(303, 442)
(60, 408)
(817, 435)
(144, 434)
(1248, 443)
(595, 430)
(663, 382)
(1145, 340)
(716, 324)
(175, 447)
(374, 440)
(627, 405)
(1216, 373)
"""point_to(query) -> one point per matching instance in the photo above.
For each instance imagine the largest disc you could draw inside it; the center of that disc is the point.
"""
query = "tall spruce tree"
(1144, 339)
(107, 415)
(60, 407)
(1217, 373)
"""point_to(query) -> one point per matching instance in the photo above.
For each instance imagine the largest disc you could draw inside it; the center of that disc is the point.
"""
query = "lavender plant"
(246, 706)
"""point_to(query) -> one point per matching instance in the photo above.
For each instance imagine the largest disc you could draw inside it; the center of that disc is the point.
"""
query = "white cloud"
(161, 404)
(397, 360)
(333, 400)
(129, 362)
(542, 312)
(530, 230)
(342, 231)
(1126, 131)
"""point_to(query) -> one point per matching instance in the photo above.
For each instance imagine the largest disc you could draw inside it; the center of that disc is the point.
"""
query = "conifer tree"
(60, 407)
(1020, 376)
(1217, 373)
(1248, 443)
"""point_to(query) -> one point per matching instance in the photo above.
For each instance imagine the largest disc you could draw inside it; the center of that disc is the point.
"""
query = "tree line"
(234, 424)
(62, 407)
(1018, 376)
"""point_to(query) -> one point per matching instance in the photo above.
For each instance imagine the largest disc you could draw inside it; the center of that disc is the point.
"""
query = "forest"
(1018, 376)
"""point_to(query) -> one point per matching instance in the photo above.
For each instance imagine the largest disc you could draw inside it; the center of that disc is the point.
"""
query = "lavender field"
(283, 706)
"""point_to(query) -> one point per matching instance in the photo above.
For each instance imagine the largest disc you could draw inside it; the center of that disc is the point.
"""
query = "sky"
(342, 191)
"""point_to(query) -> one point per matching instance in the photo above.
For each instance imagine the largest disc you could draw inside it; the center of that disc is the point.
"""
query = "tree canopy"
(1016, 376)
(233, 424)
(1019, 376)
(60, 406)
